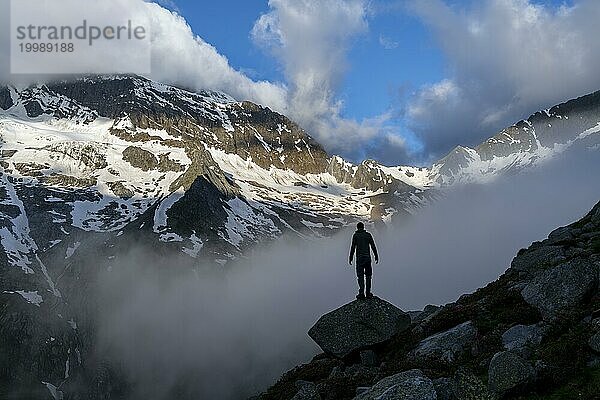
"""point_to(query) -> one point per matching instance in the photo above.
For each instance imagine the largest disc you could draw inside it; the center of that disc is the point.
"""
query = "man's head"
(360, 226)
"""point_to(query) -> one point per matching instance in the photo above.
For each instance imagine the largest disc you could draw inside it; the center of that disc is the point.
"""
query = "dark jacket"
(362, 243)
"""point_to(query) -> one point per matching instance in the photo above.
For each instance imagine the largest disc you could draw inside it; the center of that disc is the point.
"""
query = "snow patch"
(196, 246)
(31, 297)
(71, 249)
(170, 237)
(54, 392)
(160, 215)
(15, 239)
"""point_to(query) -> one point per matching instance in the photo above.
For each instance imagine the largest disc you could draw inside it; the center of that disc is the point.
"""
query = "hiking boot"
(369, 295)
(360, 296)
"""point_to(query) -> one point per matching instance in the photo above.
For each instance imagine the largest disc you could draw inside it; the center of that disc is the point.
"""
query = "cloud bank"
(228, 334)
(506, 60)
(179, 57)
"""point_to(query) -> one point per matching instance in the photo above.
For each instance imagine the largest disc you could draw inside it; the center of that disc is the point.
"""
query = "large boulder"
(537, 258)
(467, 386)
(508, 371)
(561, 288)
(407, 385)
(358, 325)
(521, 338)
(445, 346)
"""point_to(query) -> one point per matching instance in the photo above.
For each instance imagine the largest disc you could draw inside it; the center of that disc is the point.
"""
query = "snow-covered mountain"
(198, 172)
(93, 167)
(210, 176)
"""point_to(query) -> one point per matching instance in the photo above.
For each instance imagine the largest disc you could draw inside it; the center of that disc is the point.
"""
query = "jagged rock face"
(140, 158)
(528, 142)
(245, 129)
(357, 325)
(517, 138)
(562, 122)
(5, 98)
(547, 128)
(456, 160)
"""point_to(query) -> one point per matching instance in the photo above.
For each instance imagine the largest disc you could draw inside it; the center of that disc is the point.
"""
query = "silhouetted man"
(362, 243)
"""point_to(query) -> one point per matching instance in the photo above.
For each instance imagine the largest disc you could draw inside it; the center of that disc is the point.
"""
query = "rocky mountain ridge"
(98, 154)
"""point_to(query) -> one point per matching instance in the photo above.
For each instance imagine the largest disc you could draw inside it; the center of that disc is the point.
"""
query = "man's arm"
(374, 248)
(352, 249)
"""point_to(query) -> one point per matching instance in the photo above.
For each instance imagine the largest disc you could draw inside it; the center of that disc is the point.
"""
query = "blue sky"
(377, 77)
(419, 76)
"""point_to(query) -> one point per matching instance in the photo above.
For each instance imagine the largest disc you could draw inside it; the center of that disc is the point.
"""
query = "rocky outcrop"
(215, 119)
(445, 346)
(140, 158)
(533, 333)
(358, 325)
(561, 288)
(119, 189)
(409, 385)
(6, 101)
(538, 258)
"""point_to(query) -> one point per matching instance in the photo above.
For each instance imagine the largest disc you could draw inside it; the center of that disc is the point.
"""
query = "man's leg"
(369, 274)
(361, 285)
(360, 273)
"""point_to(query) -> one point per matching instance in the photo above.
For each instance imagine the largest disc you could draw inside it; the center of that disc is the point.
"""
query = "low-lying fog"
(228, 336)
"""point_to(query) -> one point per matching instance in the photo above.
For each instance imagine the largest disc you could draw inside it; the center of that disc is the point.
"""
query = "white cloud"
(179, 56)
(183, 58)
(311, 40)
(508, 58)
(435, 95)
(387, 42)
